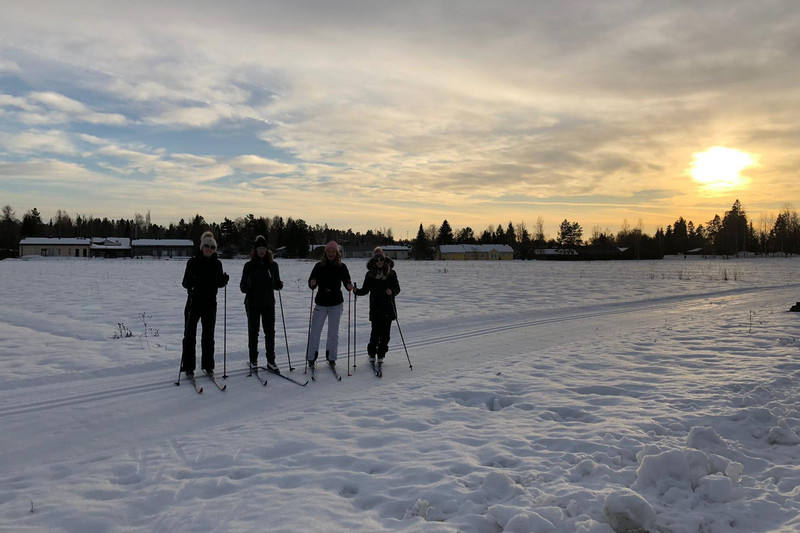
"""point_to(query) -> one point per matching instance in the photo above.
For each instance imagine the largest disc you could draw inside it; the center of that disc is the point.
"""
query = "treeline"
(730, 234)
(233, 236)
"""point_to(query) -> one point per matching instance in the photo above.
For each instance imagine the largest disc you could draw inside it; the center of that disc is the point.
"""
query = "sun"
(719, 168)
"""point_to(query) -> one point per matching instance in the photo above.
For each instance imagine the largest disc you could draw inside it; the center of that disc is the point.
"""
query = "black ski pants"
(206, 314)
(261, 316)
(379, 337)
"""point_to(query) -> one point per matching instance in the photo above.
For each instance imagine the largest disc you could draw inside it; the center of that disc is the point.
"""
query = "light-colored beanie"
(208, 239)
(332, 245)
(378, 250)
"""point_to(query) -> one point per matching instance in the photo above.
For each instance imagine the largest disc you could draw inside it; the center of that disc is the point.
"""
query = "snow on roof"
(163, 242)
(56, 241)
(451, 249)
(111, 243)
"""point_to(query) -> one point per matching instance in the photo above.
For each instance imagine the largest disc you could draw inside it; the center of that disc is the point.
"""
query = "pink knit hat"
(332, 246)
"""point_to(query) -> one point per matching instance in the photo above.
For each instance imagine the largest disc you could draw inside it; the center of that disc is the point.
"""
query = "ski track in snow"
(523, 412)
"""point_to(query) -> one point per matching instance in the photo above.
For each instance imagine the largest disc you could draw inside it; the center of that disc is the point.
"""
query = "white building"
(55, 247)
(163, 248)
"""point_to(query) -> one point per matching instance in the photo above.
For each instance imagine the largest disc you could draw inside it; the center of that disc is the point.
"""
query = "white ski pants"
(333, 315)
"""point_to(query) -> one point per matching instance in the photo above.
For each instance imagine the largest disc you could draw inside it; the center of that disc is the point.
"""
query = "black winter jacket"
(260, 277)
(203, 277)
(330, 277)
(381, 305)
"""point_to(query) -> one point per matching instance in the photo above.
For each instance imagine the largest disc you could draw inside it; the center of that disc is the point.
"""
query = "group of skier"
(204, 276)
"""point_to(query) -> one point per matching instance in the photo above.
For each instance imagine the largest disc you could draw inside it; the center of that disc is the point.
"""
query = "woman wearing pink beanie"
(328, 276)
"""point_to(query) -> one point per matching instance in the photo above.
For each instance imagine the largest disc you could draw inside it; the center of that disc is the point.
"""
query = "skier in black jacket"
(202, 279)
(328, 276)
(260, 278)
(382, 286)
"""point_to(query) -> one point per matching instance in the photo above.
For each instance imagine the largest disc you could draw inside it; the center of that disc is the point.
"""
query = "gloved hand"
(225, 278)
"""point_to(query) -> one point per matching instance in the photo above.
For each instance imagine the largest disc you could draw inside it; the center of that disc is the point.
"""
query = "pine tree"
(32, 225)
(511, 236)
(297, 238)
(420, 246)
(569, 234)
(445, 235)
(9, 232)
(734, 229)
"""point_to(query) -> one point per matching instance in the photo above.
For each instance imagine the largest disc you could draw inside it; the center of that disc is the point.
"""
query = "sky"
(375, 114)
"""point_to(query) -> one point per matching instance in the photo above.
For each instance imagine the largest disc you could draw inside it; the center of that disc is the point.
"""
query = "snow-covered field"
(544, 397)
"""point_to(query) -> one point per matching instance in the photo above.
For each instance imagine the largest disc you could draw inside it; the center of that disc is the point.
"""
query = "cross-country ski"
(253, 371)
(213, 378)
(194, 383)
(284, 376)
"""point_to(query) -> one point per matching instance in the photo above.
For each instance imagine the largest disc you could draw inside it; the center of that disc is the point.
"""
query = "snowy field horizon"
(590, 397)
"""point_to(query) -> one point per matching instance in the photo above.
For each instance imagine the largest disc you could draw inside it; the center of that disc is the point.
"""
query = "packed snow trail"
(509, 420)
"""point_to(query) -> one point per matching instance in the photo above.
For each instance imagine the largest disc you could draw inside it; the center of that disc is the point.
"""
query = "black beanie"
(261, 242)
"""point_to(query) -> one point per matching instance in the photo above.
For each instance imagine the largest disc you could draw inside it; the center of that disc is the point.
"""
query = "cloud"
(47, 108)
(38, 141)
(9, 66)
(254, 164)
(50, 170)
(6, 100)
(194, 117)
(58, 102)
(463, 102)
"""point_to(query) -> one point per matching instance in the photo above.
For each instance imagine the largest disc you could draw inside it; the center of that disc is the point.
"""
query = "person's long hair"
(337, 261)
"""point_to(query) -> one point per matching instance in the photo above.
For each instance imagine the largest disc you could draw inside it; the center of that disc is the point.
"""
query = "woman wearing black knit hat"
(260, 278)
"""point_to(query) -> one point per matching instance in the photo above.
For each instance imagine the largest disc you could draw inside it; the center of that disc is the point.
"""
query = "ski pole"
(355, 320)
(225, 334)
(348, 334)
(283, 319)
(396, 319)
(308, 340)
(186, 311)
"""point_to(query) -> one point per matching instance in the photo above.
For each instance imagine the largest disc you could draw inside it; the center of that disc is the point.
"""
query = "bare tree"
(538, 231)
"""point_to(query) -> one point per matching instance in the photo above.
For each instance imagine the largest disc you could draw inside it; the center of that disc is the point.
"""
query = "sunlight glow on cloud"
(260, 165)
(465, 112)
(719, 168)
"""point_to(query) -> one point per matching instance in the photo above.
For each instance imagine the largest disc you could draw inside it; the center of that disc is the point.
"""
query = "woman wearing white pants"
(328, 276)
